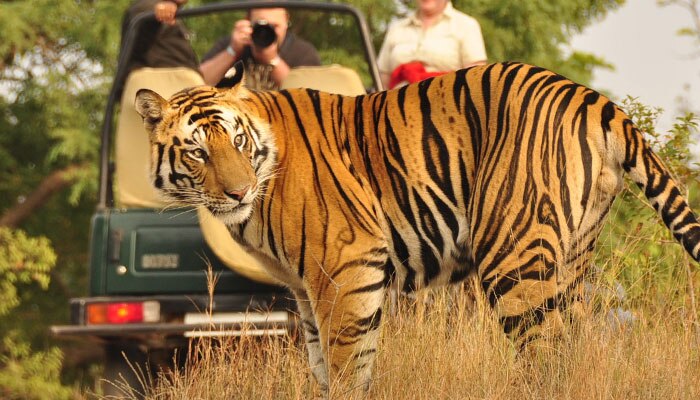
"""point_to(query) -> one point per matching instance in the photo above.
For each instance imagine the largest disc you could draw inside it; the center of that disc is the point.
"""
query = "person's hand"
(240, 35)
(165, 12)
(266, 55)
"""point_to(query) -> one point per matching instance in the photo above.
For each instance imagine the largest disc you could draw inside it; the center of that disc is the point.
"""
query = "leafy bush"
(25, 374)
(30, 375)
(22, 260)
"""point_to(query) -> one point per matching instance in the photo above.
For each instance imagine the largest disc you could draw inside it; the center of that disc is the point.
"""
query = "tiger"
(503, 173)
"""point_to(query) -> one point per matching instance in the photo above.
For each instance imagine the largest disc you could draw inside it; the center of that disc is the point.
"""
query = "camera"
(263, 34)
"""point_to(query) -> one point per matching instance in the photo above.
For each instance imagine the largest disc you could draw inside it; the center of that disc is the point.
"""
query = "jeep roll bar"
(105, 198)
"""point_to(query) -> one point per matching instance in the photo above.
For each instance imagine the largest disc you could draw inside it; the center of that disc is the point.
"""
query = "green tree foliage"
(55, 60)
(22, 260)
(30, 375)
(26, 374)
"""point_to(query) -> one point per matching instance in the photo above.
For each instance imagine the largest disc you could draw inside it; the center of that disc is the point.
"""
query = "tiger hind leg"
(550, 318)
(538, 299)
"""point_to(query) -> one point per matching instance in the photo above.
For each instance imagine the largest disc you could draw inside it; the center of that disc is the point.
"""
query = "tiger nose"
(237, 194)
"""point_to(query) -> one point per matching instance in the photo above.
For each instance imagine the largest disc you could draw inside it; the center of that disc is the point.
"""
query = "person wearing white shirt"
(438, 36)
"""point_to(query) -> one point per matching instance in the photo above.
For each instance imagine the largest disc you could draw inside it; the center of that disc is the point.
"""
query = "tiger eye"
(198, 153)
(238, 140)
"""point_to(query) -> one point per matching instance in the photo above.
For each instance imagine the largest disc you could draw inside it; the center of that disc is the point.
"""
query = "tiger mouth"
(240, 208)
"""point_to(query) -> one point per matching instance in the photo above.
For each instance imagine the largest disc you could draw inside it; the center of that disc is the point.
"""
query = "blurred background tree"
(57, 59)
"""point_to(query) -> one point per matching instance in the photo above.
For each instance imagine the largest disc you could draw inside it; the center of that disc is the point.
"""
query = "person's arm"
(473, 49)
(270, 56)
(385, 79)
(280, 71)
(214, 68)
(147, 31)
(383, 59)
(221, 57)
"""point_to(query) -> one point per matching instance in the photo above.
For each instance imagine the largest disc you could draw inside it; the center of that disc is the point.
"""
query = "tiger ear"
(150, 106)
(234, 77)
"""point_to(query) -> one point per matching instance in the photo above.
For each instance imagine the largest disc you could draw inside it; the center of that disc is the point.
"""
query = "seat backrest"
(132, 149)
(328, 78)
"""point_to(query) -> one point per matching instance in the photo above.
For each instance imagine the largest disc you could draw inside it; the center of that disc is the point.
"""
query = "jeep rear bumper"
(188, 316)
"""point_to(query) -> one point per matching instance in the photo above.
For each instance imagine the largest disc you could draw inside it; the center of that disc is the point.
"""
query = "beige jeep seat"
(328, 78)
(132, 150)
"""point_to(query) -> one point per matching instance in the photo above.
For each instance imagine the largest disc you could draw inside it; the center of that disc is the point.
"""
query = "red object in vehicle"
(410, 72)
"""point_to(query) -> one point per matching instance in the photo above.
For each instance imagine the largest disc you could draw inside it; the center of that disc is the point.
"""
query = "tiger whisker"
(186, 211)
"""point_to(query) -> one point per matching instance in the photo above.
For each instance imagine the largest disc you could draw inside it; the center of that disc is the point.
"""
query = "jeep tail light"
(122, 312)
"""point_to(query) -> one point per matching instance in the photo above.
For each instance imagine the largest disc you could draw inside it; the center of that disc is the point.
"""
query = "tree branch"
(51, 184)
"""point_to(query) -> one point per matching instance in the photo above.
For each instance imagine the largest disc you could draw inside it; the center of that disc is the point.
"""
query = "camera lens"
(263, 34)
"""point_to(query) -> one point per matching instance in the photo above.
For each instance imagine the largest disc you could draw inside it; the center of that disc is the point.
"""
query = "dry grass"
(434, 355)
(429, 351)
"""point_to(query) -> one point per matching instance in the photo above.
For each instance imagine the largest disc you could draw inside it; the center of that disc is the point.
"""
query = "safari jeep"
(148, 287)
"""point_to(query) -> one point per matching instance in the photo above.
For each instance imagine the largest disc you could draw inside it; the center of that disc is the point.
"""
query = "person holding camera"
(264, 44)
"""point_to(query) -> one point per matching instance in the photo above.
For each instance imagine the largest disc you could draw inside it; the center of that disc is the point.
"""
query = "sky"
(651, 61)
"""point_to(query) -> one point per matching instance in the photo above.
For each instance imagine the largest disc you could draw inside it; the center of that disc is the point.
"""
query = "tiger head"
(208, 148)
